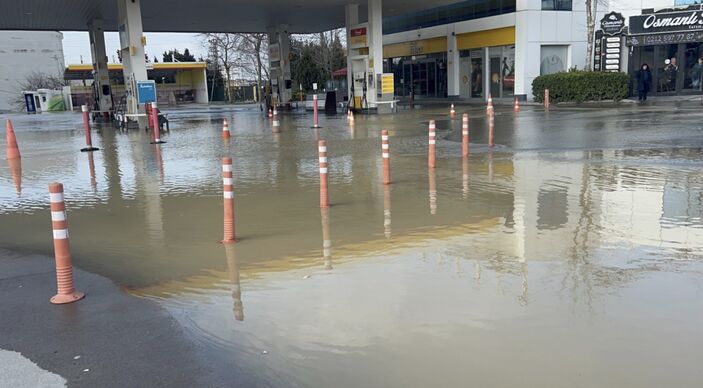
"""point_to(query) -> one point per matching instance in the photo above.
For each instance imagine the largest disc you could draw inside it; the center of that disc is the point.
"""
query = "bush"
(580, 86)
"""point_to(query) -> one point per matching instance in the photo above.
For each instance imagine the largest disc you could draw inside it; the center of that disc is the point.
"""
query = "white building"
(470, 49)
(25, 52)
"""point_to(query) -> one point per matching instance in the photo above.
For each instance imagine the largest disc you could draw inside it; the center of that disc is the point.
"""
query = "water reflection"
(16, 171)
(326, 239)
(91, 166)
(233, 270)
(432, 177)
(387, 211)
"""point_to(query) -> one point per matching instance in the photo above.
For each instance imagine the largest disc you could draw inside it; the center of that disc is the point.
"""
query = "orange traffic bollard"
(225, 130)
(156, 130)
(489, 107)
(228, 194)
(86, 127)
(62, 250)
(385, 154)
(491, 130)
(465, 135)
(315, 122)
(322, 152)
(16, 171)
(452, 112)
(546, 99)
(431, 150)
(13, 151)
(517, 105)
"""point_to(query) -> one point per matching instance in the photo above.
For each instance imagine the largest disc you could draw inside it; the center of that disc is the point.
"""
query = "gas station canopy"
(301, 16)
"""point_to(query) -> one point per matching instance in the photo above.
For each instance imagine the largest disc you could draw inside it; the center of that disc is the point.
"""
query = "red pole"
(431, 149)
(225, 130)
(465, 135)
(322, 152)
(86, 128)
(228, 194)
(385, 153)
(62, 250)
(156, 131)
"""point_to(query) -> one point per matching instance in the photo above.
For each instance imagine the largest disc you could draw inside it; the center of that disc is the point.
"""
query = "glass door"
(693, 66)
(476, 74)
(495, 79)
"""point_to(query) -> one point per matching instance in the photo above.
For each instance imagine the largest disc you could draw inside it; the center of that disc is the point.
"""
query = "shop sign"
(358, 37)
(387, 83)
(667, 22)
(597, 51)
(612, 23)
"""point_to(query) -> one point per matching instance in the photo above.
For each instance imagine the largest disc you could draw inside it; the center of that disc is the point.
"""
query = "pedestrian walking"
(696, 73)
(644, 82)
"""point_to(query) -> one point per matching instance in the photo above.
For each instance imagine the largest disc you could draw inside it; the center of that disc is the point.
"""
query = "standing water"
(570, 254)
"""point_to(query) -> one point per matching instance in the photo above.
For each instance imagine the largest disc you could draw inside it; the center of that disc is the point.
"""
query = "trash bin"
(331, 103)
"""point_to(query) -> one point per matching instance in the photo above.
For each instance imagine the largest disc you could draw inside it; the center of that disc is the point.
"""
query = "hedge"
(580, 86)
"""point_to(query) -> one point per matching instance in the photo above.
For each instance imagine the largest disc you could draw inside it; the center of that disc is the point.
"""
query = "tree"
(222, 49)
(254, 52)
(591, 11)
(176, 56)
(34, 81)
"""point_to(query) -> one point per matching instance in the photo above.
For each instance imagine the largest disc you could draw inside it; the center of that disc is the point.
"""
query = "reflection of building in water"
(545, 191)
(233, 269)
(326, 239)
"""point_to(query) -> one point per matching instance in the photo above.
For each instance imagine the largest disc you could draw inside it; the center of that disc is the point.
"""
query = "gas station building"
(434, 49)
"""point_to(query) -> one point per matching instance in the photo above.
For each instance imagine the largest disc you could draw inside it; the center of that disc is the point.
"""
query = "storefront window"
(556, 5)
(667, 67)
(421, 76)
(553, 59)
(693, 64)
(476, 74)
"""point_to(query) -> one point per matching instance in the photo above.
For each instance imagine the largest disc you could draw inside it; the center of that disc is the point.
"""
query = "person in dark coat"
(644, 82)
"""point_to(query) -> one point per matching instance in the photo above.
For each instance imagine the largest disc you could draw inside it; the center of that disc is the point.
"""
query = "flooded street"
(568, 255)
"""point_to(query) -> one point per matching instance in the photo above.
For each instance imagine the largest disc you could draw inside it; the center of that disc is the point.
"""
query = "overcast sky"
(76, 44)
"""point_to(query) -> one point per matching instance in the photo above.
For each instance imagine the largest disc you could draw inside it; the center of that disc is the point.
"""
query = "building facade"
(23, 53)
(471, 49)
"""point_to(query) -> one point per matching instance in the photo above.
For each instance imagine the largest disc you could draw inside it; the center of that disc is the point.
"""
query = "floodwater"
(569, 255)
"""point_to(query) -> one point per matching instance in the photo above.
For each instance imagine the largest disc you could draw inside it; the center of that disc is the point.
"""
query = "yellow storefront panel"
(416, 47)
(487, 38)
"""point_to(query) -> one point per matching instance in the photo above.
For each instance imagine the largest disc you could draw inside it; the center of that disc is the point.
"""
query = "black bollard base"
(89, 149)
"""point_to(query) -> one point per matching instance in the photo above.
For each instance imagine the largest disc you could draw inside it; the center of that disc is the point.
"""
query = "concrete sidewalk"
(109, 339)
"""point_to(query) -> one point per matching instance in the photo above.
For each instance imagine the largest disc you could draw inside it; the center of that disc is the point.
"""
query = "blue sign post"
(146, 92)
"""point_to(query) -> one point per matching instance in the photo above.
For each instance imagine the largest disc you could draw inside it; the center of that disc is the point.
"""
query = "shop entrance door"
(421, 77)
(477, 74)
(495, 80)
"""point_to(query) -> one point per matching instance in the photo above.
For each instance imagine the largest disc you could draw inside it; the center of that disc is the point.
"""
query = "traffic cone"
(13, 151)
(225, 130)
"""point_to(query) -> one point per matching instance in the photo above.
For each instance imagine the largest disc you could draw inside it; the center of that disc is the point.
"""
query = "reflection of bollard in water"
(465, 135)
(433, 190)
(12, 151)
(226, 134)
(490, 166)
(159, 161)
(86, 128)
(477, 270)
(91, 166)
(387, 211)
(326, 239)
(16, 171)
(524, 295)
(465, 177)
(431, 157)
(491, 131)
(228, 194)
(62, 250)
(385, 154)
(276, 126)
(517, 105)
(452, 112)
(351, 117)
(322, 153)
(233, 269)
(546, 99)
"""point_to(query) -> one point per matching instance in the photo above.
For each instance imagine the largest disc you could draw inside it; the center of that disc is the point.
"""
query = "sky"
(77, 44)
